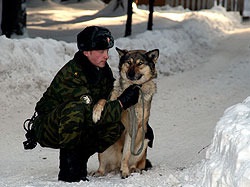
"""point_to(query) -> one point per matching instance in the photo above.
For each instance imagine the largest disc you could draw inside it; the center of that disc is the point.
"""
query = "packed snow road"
(196, 99)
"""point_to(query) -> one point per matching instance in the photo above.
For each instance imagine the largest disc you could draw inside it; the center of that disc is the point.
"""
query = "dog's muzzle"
(131, 75)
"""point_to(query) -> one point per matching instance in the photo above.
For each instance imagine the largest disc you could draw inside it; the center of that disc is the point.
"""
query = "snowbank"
(228, 158)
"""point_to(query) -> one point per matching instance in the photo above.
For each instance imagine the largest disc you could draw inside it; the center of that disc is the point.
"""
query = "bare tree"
(118, 5)
(150, 16)
(129, 18)
(13, 17)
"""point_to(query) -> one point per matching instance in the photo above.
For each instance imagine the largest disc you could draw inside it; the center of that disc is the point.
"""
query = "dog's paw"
(97, 110)
(135, 170)
(125, 174)
(98, 173)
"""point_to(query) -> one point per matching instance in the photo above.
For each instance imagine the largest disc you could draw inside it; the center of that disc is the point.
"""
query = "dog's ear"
(121, 52)
(153, 55)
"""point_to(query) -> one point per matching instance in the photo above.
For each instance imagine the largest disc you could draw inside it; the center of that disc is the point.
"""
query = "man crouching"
(64, 113)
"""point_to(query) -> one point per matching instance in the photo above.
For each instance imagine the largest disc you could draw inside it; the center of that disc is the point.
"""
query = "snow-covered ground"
(200, 114)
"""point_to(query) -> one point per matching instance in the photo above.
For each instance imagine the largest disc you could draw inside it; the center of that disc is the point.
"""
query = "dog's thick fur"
(135, 67)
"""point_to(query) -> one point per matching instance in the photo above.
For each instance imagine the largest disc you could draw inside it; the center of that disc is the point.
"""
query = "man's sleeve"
(111, 113)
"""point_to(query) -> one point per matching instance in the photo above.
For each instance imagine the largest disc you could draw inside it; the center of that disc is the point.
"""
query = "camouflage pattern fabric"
(65, 116)
(71, 124)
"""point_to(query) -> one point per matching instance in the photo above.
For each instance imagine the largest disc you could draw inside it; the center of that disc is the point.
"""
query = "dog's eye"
(129, 62)
(140, 63)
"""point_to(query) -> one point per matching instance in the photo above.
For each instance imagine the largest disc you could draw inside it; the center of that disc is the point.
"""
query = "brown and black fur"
(135, 67)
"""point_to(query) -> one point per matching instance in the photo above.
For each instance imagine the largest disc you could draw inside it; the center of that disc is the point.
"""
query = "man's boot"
(73, 167)
(63, 165)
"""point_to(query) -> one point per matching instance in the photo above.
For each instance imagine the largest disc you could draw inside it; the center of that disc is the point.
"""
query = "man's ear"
(85, 53)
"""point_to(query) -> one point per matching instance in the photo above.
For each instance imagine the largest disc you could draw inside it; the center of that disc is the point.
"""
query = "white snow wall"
(228, 158)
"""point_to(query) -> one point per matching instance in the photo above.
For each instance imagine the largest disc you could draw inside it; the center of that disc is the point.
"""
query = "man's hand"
(129, 97)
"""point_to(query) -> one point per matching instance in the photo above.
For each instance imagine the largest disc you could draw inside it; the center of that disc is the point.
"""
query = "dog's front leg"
(125, 157)
(97, 110)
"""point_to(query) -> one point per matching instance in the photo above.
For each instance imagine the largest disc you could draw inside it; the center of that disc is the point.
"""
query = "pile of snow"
(27, 66)
(227, 162)
(181, 48)
(184, 45)
(228, 158)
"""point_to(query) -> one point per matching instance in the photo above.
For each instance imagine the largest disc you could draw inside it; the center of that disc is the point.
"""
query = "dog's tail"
(148, 165)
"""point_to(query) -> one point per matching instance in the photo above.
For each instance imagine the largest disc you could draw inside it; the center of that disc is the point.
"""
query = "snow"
(228, 157)
(200, 114)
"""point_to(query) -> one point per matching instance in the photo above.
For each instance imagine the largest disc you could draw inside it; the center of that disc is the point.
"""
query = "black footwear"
(73, 167)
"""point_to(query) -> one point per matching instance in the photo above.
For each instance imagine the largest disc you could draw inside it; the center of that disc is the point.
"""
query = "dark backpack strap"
(31, 142)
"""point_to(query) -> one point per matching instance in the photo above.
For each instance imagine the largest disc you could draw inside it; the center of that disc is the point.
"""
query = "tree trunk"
(13, 17)
(150, 16)
(129, 18)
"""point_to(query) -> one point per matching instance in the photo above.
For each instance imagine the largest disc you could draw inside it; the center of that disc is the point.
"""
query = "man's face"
(97, 57)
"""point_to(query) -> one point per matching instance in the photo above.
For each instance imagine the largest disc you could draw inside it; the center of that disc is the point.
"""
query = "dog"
(135, 67)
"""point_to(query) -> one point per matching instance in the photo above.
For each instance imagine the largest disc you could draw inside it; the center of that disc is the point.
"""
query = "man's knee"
(108, 135)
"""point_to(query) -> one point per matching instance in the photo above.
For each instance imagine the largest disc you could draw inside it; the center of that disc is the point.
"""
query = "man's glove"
(129, 96)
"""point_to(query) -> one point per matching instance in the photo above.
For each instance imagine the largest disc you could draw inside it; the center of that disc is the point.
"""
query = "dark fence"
(230, 5)
(192, 4)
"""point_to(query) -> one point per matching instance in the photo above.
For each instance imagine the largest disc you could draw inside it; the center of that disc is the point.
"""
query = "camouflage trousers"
(70, 125)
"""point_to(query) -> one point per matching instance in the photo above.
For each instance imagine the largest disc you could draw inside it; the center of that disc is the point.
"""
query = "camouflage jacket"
(77, 78)
(65, 118)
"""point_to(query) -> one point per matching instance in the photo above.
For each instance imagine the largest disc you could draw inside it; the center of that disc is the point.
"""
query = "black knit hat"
(94, 38)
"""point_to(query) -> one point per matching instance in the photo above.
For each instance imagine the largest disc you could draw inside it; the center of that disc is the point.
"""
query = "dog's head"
(137, 66)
